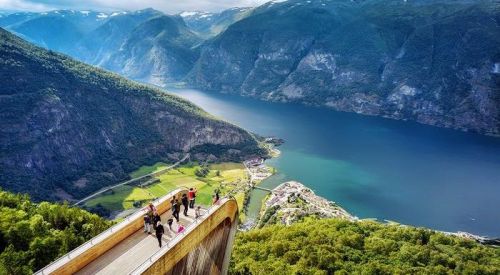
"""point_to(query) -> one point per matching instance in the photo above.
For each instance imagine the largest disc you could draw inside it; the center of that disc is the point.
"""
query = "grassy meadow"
(223, 176)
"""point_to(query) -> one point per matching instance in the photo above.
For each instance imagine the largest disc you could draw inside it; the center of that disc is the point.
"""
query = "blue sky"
(168, 6)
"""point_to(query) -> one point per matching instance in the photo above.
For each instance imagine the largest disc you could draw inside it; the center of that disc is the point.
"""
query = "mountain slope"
(57, 30)
(68, 128)
(208, 24)
(97, 46)
(41, 32)
(157, 51)
(435, 62)
(8, 19)
(144, 45)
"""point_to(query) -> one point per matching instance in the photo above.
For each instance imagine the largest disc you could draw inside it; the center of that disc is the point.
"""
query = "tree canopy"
(328, 246)
(33, 235)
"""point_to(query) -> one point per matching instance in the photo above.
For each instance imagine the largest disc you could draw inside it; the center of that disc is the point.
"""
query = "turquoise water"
(375, 167)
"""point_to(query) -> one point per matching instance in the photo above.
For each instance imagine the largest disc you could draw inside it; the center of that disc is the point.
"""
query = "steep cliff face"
(67, 129)
(435, 62)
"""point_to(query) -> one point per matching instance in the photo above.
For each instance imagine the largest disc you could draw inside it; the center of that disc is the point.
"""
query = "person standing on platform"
(215, 197)
(151, 207)
(192, 196)
(197, 212)
(172, 201)
(185, 203)
(176, 208)
(147, 223)
(159, 232)
(156, 218)
(170, 222)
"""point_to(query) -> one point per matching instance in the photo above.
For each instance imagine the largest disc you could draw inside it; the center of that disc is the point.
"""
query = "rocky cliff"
(67, 128)
(435, 62)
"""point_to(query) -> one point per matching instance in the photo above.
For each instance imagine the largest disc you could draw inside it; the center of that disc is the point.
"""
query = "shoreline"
(253, 223)
(289, 189)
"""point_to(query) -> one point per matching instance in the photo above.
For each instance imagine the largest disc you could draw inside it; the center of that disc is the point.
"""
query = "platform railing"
(179, 236)
(102, 236)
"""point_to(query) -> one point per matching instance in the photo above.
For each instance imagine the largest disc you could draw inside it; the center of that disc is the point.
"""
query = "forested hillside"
(67, 129)
(328, 246)
(32, 235)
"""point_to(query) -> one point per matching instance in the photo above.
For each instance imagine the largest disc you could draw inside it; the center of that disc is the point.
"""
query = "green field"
(223, 176)
(144, 170)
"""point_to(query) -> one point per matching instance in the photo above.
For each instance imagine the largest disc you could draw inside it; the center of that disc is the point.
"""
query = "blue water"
(375, 167)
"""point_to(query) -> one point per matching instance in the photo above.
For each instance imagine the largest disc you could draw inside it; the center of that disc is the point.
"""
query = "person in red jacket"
(192, 196)
(151, 207)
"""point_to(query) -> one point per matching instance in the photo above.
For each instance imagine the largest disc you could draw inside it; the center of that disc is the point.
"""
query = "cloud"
(23, 5)
(168, 6)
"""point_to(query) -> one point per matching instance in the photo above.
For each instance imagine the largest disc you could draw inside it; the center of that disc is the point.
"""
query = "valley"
(342, 136)
(433, 62)
(120, 201)
(373, 167)
(69, 129)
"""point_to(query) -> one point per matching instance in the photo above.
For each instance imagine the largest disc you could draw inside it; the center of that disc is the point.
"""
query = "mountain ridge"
(68, 128)
(157, 51)
(433, 62)
(391, 59)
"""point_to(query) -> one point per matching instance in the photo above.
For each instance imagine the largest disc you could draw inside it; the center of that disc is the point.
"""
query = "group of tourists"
(152, 220)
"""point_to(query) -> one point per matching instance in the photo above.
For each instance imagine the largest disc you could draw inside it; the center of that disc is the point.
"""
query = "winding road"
(132, 180)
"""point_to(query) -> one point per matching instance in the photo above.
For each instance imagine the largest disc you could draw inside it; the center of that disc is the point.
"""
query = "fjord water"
(375, 167)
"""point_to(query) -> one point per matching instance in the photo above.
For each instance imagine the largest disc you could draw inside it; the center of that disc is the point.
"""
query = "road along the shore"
(132, 180)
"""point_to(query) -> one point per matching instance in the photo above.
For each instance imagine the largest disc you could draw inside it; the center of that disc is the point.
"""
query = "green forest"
(328, 246)
(33, 235)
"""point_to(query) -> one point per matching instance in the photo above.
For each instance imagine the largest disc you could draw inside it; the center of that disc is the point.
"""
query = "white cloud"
(168, 6)
(23, 5)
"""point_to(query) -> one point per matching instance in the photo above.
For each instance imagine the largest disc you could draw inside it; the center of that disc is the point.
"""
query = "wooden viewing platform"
(134, 250)
(126, 249)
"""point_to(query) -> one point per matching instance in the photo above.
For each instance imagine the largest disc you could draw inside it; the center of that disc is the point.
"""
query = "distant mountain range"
(207, 24)
(157, 49)
(106, 39)
(435, 62)
(432, 61)
(67, 128)
(144, 45)
(56, 30)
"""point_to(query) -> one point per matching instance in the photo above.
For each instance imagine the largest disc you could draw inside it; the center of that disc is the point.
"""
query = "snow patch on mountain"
(189, 13)
(496, 68)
